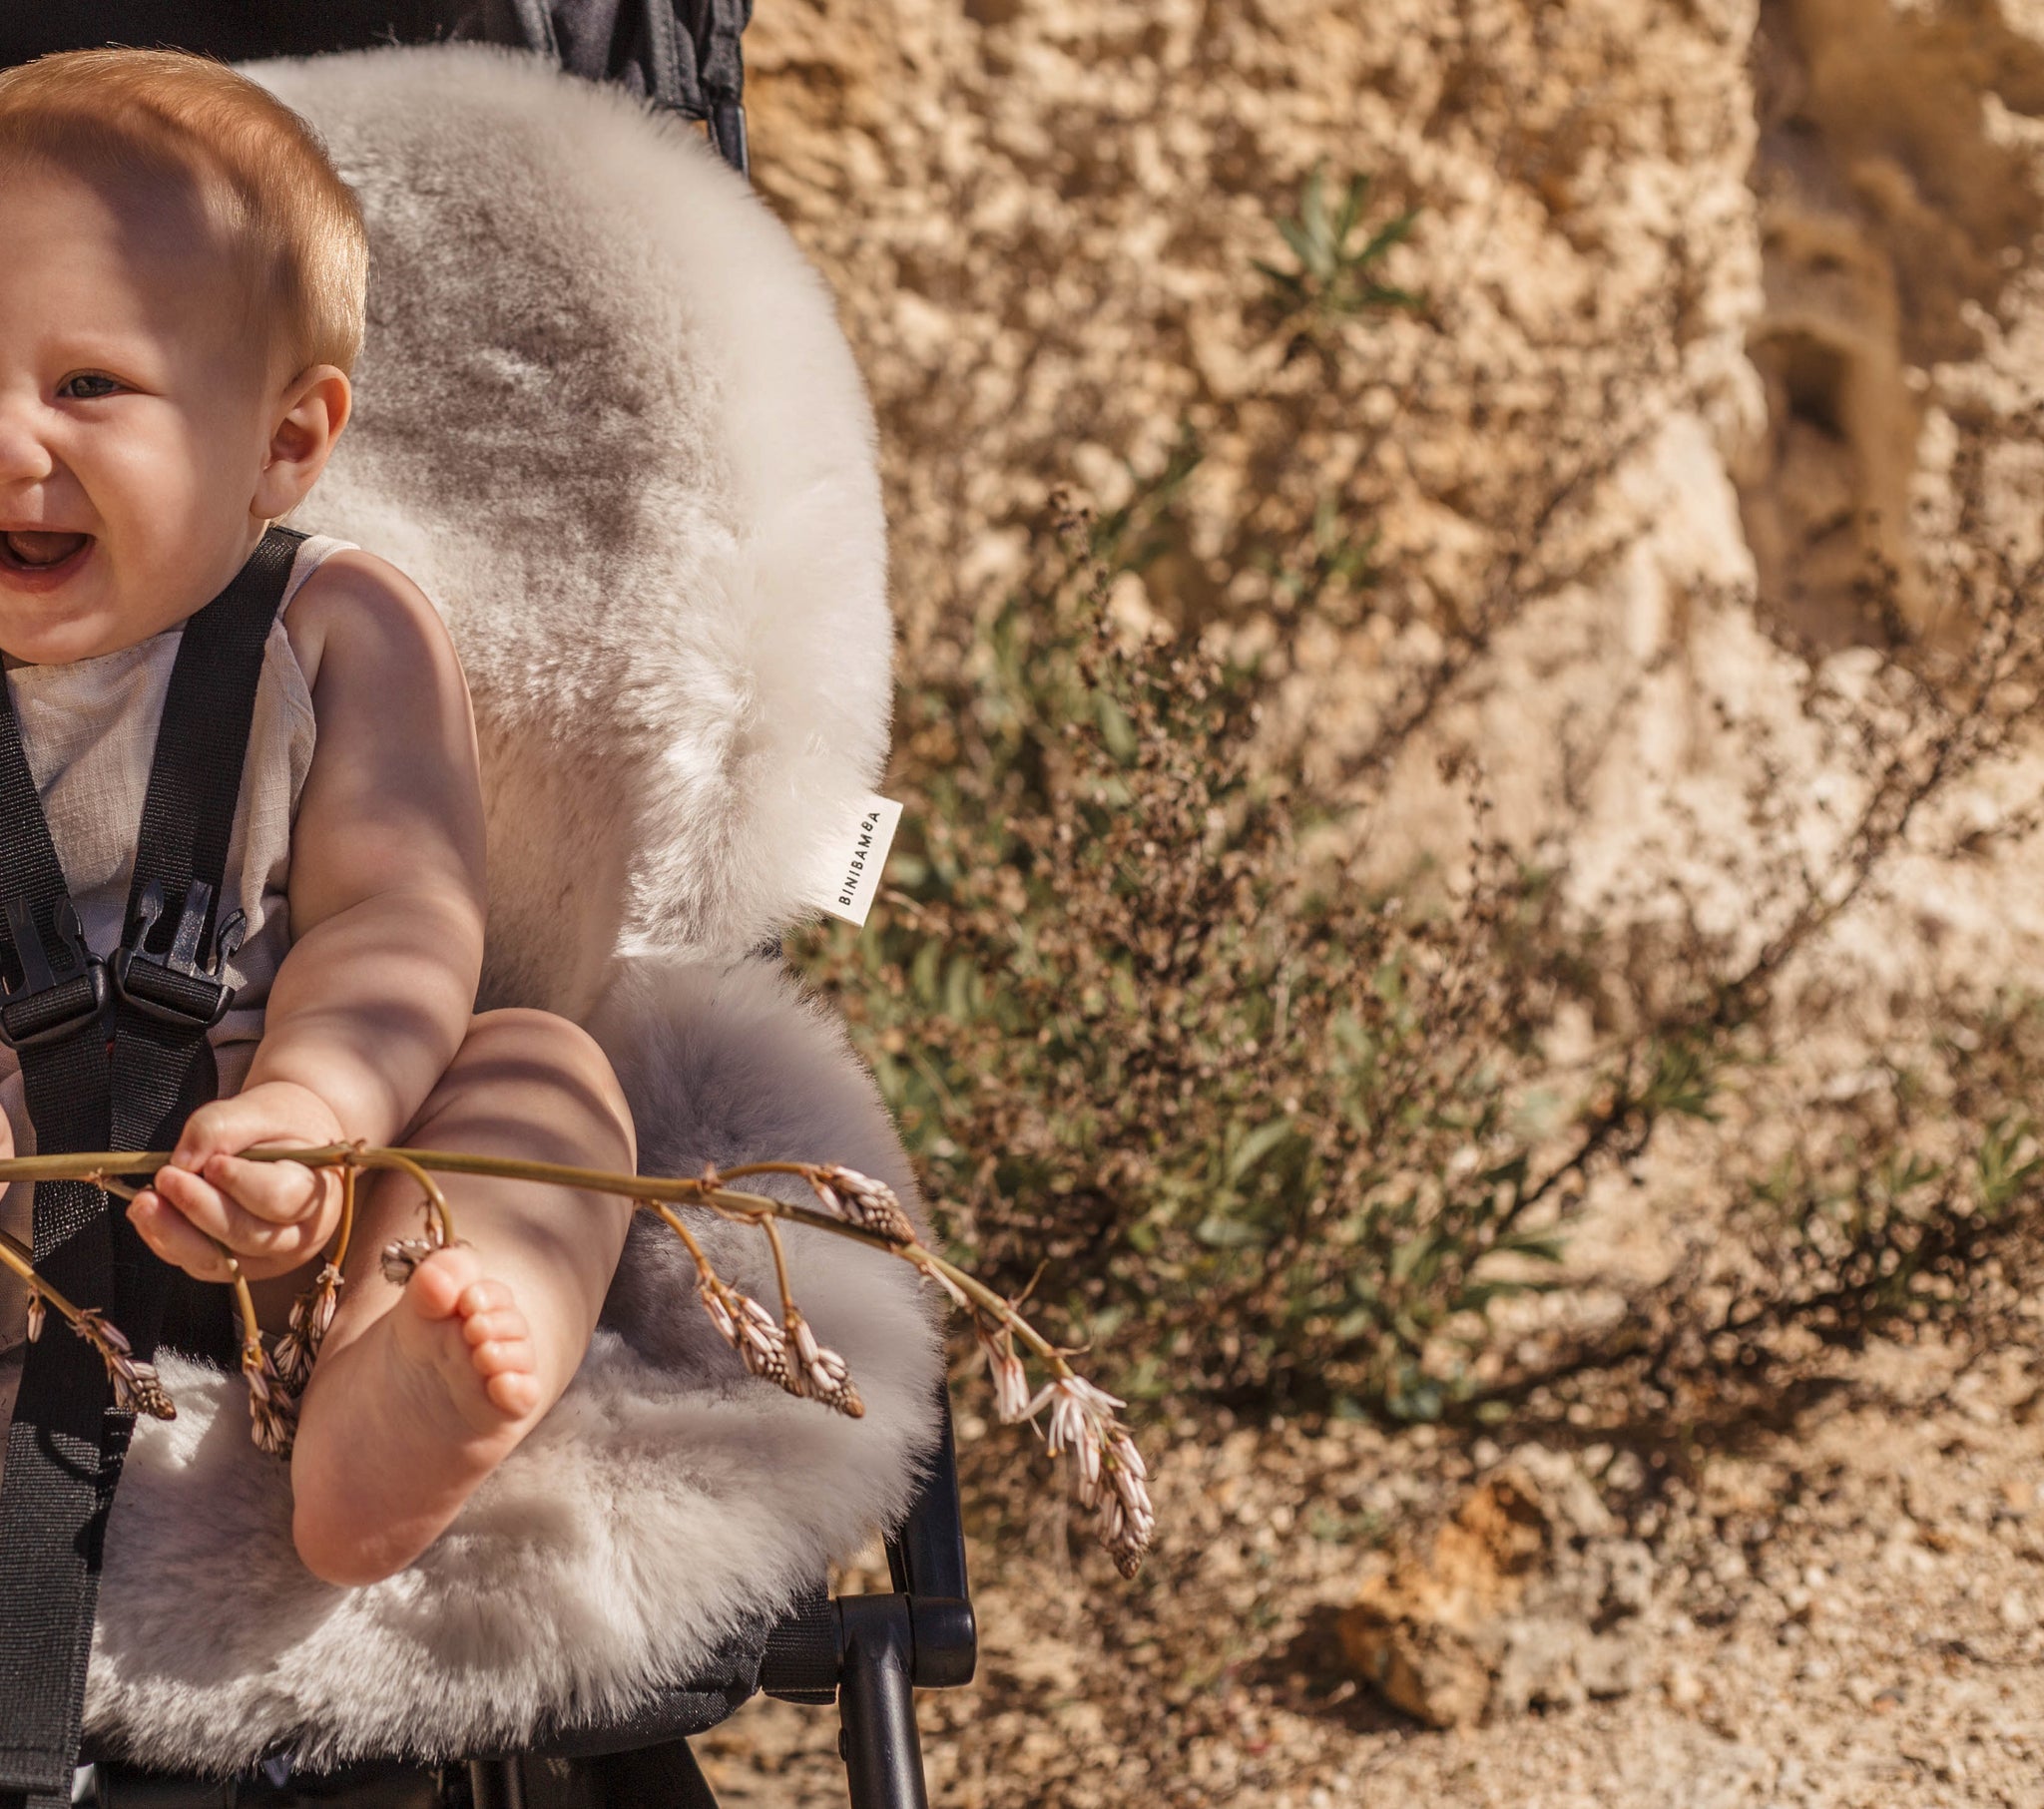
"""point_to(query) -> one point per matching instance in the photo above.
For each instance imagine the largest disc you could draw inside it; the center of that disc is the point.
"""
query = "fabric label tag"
(849, 873)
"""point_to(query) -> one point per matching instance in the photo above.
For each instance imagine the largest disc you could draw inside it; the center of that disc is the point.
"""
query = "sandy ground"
(1850, 1613)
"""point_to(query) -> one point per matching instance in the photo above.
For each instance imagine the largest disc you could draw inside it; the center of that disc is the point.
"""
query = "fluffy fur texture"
(668, 1500)
(608, 423)
(606, 419)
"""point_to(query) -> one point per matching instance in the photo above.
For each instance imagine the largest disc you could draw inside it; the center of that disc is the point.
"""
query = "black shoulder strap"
(52, 1504)
(163, 993)
(168, 991)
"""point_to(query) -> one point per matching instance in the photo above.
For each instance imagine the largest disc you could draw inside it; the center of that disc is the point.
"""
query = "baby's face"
(134, 418)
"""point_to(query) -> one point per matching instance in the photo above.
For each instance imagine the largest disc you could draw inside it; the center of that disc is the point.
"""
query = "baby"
(180, 304)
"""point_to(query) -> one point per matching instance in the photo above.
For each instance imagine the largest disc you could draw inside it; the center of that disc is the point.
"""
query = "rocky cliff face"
(1723, 304)
(1897, 182)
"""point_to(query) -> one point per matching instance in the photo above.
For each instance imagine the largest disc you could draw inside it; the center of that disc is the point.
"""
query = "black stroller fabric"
(682, 54)
(694, 68)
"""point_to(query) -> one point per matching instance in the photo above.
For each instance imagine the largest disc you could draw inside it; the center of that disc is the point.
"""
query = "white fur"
(667, 1499)
(608, 423)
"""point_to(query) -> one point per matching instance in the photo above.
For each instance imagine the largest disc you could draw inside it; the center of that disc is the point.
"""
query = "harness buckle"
(174, 987)
(55, 999)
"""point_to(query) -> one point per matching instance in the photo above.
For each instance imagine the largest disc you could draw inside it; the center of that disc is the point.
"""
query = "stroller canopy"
(680, 54)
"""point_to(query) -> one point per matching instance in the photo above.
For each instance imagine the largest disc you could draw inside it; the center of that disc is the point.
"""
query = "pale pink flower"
(137, 1386)
(402, 1256)
(1004, 1368)
(823, 1374)
(860, 1201)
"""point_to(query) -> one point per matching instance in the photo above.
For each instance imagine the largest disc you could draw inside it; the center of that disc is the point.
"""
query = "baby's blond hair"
(286, 220)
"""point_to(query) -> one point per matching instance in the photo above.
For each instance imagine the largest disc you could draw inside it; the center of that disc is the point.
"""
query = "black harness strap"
(66, 1444)
(167, 1002)
(53, 1504)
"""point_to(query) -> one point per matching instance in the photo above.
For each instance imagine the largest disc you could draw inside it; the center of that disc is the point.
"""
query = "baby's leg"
(420, 1393)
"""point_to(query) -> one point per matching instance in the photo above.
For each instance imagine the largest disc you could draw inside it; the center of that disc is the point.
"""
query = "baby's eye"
(86, 386)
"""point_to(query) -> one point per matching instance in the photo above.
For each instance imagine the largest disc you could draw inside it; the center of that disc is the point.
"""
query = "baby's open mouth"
(34, 549)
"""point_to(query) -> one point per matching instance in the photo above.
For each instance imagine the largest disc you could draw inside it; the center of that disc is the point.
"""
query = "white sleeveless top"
(89, 730)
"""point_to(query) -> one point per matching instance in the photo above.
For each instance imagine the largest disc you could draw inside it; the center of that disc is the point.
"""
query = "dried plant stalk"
(860, 1201)
(272, 1409)
(820, 1374)
(742, 1323)
(1105, 1470)
(401, 1257)
(313, 1312)
(137, 1386)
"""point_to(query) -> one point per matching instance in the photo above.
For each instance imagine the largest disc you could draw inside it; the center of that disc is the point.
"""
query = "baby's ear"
(309, 416)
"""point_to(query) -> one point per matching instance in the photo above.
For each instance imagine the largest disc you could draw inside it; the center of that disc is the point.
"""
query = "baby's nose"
(24, 456)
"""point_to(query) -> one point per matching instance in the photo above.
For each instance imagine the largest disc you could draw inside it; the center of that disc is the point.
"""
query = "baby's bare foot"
(468, 1329)
(401, 1426)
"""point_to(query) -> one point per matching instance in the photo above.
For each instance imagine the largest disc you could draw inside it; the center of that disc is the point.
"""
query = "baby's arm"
(386, 901)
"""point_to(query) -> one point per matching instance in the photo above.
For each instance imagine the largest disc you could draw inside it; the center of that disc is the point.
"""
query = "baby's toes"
(439, 1285)
(500, 1347)
(506, 1367)
(495, 1325)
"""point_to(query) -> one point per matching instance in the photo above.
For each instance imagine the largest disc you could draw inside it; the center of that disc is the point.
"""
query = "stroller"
(607, 422)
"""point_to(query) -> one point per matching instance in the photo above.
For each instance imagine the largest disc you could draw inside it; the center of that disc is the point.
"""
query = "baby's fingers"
(257, 1241)
(176, 1239)
(281, 1192)
(280, 1116)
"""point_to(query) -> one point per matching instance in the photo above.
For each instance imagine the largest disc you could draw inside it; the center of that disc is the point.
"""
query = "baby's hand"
(273, 1216)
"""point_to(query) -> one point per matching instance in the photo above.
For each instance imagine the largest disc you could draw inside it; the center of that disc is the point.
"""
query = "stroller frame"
(868, 1653)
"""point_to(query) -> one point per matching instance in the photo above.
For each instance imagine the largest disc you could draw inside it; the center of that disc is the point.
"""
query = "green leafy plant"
(1331, 558)
(1334, 277)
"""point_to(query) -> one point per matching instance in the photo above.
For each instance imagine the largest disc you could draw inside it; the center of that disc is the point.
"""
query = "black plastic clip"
(174, 987)
(55, 998)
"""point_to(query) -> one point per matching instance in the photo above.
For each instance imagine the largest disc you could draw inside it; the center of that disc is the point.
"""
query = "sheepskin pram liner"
(606, 420)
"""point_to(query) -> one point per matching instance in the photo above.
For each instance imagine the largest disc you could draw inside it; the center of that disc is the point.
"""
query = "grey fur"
(607, 422)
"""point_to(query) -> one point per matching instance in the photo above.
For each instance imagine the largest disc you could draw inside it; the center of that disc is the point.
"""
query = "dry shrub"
(1131, 1043)
(1271, 1135)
